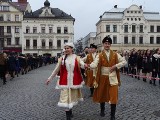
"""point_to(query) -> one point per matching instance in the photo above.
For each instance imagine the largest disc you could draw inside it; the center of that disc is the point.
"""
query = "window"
(133, 28)
(34, 29)
(151, 28)
(1, 18)
(8, 41)
(65, 30)
(5, 8)
(158, 40)
(59, 43)
(131, 11)
(50, 44)
(8, 17)
(58, 30)
(42, 29)
(125, 40)
(107, 28)
(27, 29)
(139, 19)
(125, 28)
(43, 43)
(17, 40)
(16, 29)
(151, 40)
(135, 19)
(133, 40)
(16, 17)
(140, 40)
(114, 28)
(114, 40)
(8, 29)
(131, 19)
(158, 28)
(135, 11)
(50, 30)
(141, 28)
(128, 19)
(34, 43)
(127, 11)
(1, 30)
(65, 41)
(27, 43)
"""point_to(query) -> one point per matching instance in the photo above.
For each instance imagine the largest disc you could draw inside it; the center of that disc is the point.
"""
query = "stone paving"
(28, 98)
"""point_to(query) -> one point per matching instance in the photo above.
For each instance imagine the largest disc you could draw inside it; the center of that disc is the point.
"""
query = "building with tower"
(46, 30)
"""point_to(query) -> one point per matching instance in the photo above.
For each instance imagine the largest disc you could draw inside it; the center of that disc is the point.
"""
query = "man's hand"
(113, 68)
(86, 66)
(47, 81)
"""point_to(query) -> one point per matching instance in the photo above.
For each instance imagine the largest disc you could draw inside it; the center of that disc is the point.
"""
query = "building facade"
(46, 30)
(89, 39)
(11, 16)
(129, 28)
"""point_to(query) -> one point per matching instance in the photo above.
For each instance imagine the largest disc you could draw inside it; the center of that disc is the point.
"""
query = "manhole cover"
(157, 113)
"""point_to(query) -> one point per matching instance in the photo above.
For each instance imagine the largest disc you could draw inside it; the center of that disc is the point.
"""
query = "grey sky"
(87, 12)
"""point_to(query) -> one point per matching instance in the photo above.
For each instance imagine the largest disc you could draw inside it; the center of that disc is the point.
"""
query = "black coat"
(156, 63)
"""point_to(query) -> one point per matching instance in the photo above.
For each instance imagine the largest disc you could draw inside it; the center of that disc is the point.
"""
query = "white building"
(89, 39)
(11, 16)
(129, 28)
(46, 30)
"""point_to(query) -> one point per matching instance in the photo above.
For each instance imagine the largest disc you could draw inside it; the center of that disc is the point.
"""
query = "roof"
(59, 14)
(19, 6)
(117, 14)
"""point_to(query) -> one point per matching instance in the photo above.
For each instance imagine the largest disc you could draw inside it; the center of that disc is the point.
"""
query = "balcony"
(7, 34)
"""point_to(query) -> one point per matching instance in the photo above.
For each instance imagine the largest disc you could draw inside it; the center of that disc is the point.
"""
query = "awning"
(12, 49)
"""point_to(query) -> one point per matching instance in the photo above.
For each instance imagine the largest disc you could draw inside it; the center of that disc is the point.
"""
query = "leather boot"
(113, 111)
(144, 79)
(91, 90)
(71, 113)
(102, 106)
(154, 82)
(68, 115)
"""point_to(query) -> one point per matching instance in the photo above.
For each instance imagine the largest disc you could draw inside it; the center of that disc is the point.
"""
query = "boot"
(91, 90)
(154, 82)
(138, 78)
(150, 82)
(144, 79)
(102, 106)
(113, 110)
(71, 113)
(68, 115)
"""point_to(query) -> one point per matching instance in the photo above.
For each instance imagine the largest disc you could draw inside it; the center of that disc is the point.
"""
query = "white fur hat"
(69, 44)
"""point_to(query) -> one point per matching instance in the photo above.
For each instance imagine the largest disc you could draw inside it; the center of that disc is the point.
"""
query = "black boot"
(113, 111)
(150, 82)
(68, 115)
(91, 90)
(154, 82)
(102, 106)
(144, 79)
(71, 113)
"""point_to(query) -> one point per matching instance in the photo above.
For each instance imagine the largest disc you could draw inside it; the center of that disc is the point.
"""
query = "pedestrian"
(90, 73)
(156, 66)
(70, 81)
(3, 67)
(107, 81)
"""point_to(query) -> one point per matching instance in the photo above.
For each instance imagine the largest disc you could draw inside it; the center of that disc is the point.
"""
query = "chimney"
(140, 6)
(22, 1)
(115, 6)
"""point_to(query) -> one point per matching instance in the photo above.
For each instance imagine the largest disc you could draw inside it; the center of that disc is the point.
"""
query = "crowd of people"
(143, 64)
(12, 64)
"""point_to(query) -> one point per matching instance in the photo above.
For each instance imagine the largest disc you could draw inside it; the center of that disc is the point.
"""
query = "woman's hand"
(47, 81)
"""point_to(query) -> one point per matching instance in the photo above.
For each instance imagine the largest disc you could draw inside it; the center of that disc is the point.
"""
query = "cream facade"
(11, 16)
(129, 28)
(47, 32)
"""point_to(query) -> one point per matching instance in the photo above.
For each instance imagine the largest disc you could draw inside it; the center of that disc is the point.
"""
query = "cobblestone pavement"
(28, 98)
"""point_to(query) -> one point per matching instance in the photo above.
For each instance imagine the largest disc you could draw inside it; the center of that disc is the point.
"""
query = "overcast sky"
(87, 12)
